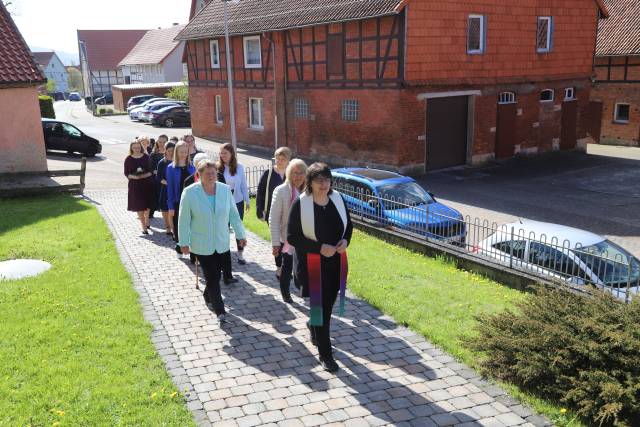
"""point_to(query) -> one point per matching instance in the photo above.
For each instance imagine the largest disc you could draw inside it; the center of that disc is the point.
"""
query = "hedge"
(582, 351)
(46, 107)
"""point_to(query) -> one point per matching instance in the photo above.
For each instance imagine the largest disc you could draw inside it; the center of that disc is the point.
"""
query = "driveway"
(598, 191)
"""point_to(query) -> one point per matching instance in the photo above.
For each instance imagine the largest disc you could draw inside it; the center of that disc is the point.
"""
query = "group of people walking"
(200, 199)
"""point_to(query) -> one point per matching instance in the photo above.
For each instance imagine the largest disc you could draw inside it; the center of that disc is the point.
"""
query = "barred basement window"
(544, 34)
(546, 95)
(302, 108)
(507, 98)
(350, 109)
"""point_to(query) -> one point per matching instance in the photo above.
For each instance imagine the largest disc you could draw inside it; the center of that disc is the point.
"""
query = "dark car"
(103, 100)
(139, 99)
(66, 137)
(144, 115)
(75, 96)
(173, 115)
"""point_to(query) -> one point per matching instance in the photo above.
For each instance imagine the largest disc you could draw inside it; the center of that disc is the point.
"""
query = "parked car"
(75, 96)
(569, 254)
(66, 137)
(104, 100)
(134, 110)
(390, 199)
(139, 99)
(170, 116)
(143, 115)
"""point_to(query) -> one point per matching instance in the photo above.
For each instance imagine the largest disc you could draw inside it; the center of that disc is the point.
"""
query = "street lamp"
(232, 109)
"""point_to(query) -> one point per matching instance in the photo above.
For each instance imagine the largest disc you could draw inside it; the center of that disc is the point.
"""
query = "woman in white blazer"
(206, 210)
(232, 173)
(283, 196)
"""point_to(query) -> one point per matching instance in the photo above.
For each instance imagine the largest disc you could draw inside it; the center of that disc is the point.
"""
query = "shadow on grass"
(25, 211)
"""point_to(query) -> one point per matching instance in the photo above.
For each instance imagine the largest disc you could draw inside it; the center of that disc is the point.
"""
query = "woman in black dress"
(157, 154)
(320, 228)
(136, 169)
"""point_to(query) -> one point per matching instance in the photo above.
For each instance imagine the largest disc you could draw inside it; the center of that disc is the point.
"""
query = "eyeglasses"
(322, 180)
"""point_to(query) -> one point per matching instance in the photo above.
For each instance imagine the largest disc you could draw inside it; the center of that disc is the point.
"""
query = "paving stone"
(262, 370)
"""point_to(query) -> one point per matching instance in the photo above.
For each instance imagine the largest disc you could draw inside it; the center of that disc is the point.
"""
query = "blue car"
(390, 199)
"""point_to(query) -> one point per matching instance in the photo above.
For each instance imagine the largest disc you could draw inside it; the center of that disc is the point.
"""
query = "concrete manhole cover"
(19, 268)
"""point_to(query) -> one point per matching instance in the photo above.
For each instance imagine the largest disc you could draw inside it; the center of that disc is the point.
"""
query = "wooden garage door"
(506, 130)
(569, 124)
(593, 120)
(446, 132)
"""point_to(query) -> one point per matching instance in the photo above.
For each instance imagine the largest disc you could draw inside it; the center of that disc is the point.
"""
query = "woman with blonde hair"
(176, 173)
(136, 169)
(283, 197)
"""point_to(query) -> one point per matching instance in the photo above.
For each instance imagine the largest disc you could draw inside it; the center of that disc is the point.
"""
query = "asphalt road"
(105, 171)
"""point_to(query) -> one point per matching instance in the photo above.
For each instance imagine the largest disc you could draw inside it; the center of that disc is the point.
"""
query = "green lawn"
(74, 347)
(430, 296)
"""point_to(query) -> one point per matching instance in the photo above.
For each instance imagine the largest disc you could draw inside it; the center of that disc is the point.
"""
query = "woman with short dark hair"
(320, 228)
(136, 169)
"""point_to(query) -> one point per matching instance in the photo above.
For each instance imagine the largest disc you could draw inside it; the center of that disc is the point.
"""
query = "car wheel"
(168, 123)
(90, 154)
(69, 152)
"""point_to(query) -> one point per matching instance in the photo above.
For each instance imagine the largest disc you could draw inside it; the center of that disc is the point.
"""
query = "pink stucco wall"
(21, 139)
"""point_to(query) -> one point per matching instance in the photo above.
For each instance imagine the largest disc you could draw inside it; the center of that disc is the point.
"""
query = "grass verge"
(74, 347)
(431, 296)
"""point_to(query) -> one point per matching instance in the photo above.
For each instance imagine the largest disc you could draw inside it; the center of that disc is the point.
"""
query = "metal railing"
(512, 246)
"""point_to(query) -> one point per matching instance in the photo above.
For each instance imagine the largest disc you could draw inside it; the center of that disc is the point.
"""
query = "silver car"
(565, 253)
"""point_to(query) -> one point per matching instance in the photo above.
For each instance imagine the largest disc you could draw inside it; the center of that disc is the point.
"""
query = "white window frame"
(244, 46)
(482, 34)
(616, 119)
(350, 111)
(506, 98)
(260, 124)
(301, 108)
(570, 91)
(218, 101)
(549, 46)
(215, 43)
(553, 95)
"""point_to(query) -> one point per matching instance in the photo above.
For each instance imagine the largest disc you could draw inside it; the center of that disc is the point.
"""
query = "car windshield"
(404, 193)
(611, 263)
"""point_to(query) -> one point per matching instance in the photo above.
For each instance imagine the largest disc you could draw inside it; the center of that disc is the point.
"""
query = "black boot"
(314, 341)
(329, 364)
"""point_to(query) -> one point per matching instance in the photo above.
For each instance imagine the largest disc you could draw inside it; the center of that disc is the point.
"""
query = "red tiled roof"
(253, 16)
(153, 47)
(106, 48)
(16, 63)
(620, 33)
(43, 58)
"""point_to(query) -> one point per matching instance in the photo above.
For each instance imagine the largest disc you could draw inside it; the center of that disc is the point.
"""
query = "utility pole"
(232, 110)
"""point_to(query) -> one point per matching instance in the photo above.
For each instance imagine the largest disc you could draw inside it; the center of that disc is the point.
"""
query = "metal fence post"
(83, 170)
(511, 250)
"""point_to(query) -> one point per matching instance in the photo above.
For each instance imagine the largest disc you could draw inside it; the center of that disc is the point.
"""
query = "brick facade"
(389, 78)
(618, 81)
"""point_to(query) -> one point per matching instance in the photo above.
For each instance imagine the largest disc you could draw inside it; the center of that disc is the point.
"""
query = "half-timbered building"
(616, 93)
(410, 85)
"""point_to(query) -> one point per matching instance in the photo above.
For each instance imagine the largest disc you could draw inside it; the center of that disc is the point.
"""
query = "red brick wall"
(610, 94)
(437, 37)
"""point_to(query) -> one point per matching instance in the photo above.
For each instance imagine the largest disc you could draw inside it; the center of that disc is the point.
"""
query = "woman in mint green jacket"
(206, 210)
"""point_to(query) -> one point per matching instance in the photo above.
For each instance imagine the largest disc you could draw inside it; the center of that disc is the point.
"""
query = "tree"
(74, 80)
(181, 93)
(51, 85)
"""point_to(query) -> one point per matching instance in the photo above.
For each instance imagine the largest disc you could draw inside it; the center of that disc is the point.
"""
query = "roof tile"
(620, 33)
(253, 16)
(16, 63)
(106, 48)
(153, 47)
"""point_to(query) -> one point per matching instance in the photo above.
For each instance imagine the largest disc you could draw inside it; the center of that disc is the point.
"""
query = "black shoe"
(210, 306)
(230, 281)
(222, 319)
(145, 232)
(314, 341)
(287, 299)
(192, 259)
(329, 365)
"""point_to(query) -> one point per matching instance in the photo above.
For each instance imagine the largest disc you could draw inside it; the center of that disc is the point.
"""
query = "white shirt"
(238, 184)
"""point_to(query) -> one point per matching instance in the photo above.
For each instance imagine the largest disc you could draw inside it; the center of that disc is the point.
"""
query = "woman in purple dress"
(137, 171)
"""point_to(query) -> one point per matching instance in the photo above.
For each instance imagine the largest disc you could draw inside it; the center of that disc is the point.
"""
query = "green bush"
(181, 93)
(579, 350)
(46, 107)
